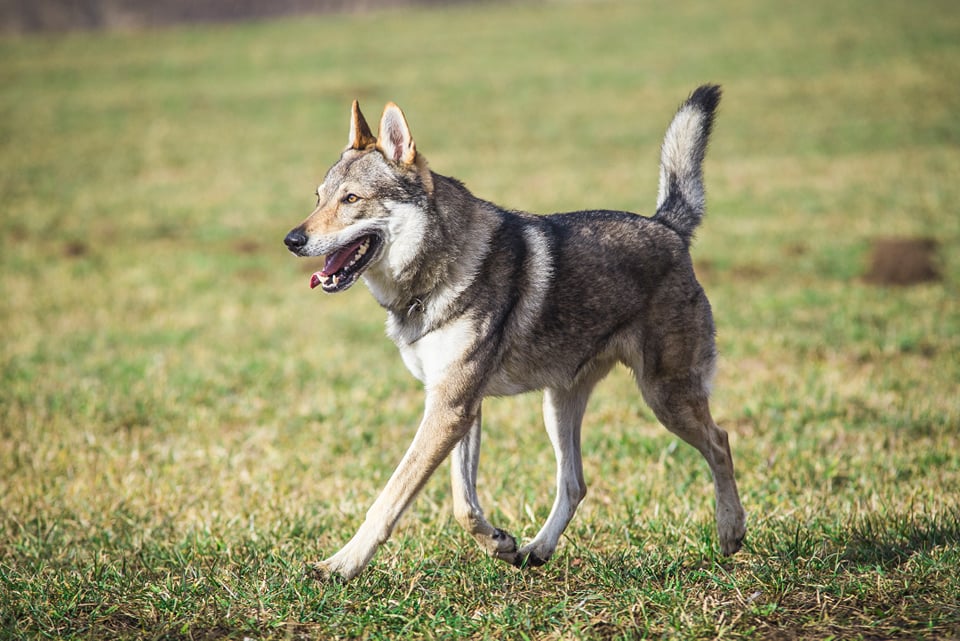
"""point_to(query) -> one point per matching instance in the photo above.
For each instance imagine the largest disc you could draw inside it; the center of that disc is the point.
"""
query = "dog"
(482, 301)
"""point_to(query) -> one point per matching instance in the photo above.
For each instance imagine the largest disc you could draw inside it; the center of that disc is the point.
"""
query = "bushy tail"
(680, 197)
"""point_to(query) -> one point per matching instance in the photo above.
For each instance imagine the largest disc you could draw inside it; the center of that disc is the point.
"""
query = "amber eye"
(351, 198)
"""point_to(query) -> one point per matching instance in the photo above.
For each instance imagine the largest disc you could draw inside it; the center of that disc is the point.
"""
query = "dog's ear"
(360, 134)
(395, 141)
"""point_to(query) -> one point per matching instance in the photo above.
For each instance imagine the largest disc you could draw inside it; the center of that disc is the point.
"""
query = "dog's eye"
(351, 198)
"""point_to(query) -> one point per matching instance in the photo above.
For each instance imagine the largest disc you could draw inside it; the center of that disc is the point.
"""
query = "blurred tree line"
(19, 16)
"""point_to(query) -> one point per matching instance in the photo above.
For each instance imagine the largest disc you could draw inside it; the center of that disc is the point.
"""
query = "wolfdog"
(482, 301)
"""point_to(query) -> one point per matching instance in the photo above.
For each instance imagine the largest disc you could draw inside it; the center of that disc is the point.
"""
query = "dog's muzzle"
(296, 240)
(344, 264)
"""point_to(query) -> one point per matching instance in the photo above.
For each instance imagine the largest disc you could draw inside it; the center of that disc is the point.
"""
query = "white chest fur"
(429, 357)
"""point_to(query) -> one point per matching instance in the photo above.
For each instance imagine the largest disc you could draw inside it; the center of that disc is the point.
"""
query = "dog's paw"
(333, 569)
(527, 557)
(321, 571)
(732, 531)
(729, 547)
(504, 546)
(500, 544)
(503, 542)
(523, 558)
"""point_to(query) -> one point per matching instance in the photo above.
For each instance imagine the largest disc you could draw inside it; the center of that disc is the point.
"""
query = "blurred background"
(169, 384)
(18, 16)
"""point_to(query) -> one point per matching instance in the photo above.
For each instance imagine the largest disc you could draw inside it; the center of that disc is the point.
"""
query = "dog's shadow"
(890, 540)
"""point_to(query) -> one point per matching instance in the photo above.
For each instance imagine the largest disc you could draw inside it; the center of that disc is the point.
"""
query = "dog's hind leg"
(464, 462)
(563, 415)
(683, 408)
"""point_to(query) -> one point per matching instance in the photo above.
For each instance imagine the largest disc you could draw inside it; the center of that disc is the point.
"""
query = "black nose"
(296, 239)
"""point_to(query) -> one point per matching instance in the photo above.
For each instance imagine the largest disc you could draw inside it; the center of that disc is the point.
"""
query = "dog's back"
(569, 293)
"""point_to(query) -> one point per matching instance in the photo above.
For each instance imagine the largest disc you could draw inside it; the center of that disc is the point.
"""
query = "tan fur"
(323, 220)
(360, 134)
(398, 147)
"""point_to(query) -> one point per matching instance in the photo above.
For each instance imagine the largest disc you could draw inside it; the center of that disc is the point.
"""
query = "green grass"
(183, 423)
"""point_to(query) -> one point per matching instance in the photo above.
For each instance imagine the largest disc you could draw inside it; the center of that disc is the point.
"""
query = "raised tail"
(680, 197)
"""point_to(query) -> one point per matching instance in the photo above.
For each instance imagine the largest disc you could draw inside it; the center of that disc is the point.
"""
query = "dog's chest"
(429, 357)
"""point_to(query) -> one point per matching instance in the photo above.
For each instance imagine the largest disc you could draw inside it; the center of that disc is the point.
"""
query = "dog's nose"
(295, 240)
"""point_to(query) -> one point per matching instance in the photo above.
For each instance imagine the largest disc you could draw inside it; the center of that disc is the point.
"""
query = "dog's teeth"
(361, 250)
(335, 279)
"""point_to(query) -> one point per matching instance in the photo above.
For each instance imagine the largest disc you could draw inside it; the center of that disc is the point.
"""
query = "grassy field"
(183, 423)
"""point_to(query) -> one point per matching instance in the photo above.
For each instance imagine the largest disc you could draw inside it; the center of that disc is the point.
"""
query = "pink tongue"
(339, 258)
(334, 262)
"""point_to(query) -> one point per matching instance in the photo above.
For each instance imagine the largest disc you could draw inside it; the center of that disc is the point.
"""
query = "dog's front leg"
(466, 504)
(442, 426)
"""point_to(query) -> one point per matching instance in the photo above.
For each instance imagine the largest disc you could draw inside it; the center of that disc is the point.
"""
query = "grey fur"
(483, 301)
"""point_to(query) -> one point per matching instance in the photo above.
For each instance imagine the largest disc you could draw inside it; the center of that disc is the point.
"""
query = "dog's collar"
(416, 306)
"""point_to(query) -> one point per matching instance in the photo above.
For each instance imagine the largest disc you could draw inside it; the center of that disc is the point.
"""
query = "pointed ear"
(395, 141)
(360, 135)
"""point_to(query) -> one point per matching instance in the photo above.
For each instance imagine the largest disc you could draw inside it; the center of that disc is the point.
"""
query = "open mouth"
(344, 266)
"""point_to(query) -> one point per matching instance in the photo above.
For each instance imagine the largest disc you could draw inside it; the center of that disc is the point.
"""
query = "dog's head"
(370, 206)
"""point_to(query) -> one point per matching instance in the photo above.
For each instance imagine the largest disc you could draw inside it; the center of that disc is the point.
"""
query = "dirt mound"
(903, 261)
